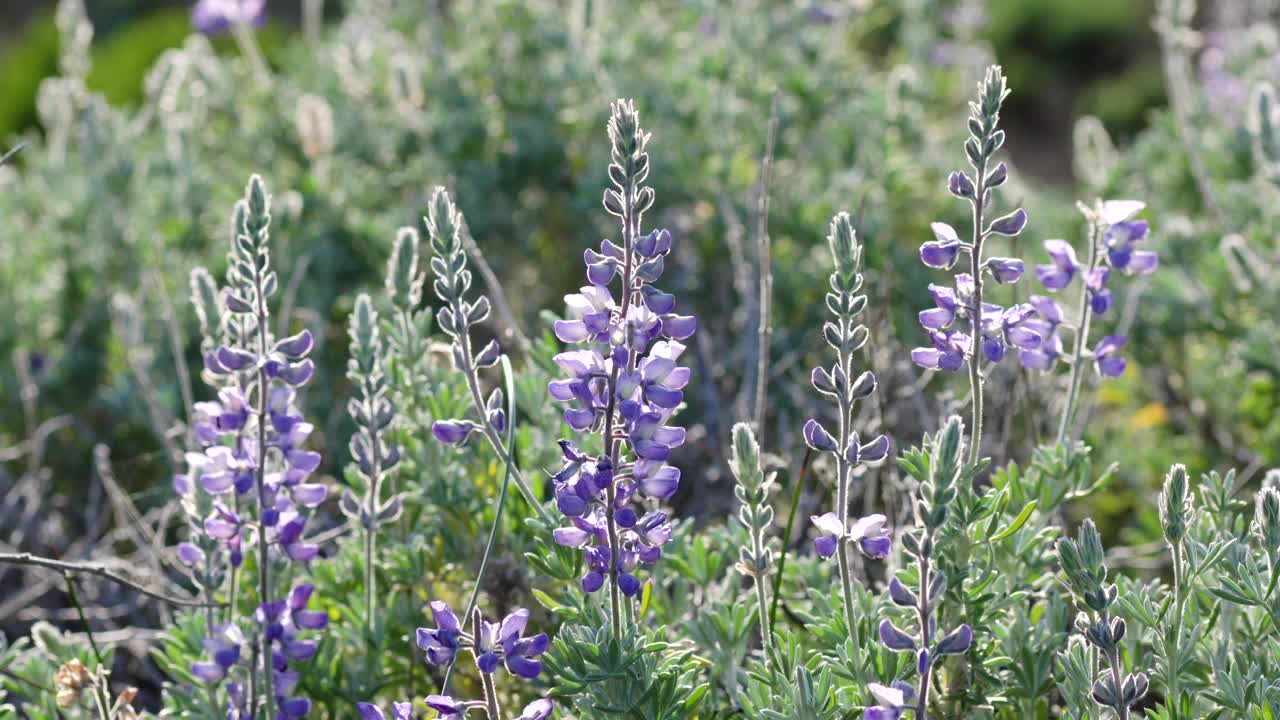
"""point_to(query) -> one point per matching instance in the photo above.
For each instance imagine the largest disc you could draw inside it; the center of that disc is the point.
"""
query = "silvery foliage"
(992, 612)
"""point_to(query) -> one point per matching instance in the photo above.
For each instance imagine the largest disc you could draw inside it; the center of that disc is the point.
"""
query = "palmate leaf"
(637, 677)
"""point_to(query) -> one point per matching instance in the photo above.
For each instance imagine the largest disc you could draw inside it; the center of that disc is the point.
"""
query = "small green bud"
(404, 283)
(846, 251)
(1267, 518)
(1176, 505)
(745, 462)
(444, 224)
(208, 306)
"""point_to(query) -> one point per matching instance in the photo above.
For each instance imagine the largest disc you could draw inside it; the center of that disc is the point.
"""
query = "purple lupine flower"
(942, 252)
(869, 533)
(453, 432)
(216, 16)
(1116, 234)
(1064, 267)
(592, 309)
(832, 530)
(1045, 323)
(640, 354)
(441, 644)
(1003, 327)
(1107, 358)
(900, 594)
(1005, 270)
(285, 682)
(1095, 283)
(283, 622)
(537, 710)
(520, 654)
(941, 316)
(874, 540)
(949, 350)
(223, 648)
(190, 555)
(894, 638)
(448, 708)
(893, 700)
(399, 711)
(956, 643)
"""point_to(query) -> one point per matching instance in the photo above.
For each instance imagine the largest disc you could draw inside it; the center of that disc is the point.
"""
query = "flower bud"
(960, 185)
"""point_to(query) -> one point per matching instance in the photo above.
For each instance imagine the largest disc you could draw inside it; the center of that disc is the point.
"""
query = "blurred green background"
(1094, 58)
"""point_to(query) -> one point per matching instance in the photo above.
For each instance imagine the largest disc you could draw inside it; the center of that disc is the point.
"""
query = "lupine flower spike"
(445, 228)
(251, 480)
(625, 382)
(846, 336)
(962, 323)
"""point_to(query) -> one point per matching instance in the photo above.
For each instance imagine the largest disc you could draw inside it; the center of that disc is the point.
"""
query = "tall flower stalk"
(252, 454)
(846, 336)
(445, 227)
(625, 384)
(932, 508)
(989, 325)
(1177, 512)
(376, 455)
(752, 490)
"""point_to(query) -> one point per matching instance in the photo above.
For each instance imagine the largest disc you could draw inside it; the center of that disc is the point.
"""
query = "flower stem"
(495, 441)
(1081, 339)
(1122, 708)
(248, 45)
(497, 513)
(492, 710)
(370, 536)
(1179, 602)
(924, 612)
(259, 477)
(786, 535)
(975, 317)
(842, 487)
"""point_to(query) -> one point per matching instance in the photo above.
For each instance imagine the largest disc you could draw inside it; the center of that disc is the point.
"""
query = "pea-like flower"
(399, 711)
(1107, 358)
(942, 252)
(223, 649)
(217, 16)
(872, 538)
(441, 643)
(1063, 268)
(893, 700)
(492, 644)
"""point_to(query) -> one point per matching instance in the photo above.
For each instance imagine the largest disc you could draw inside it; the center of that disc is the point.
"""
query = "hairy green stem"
(1179, 602)
(923, 614)
(259, 477)
(975, 317)
(845, 358)
(630, 226)
(1081, 340)
(370, 535)
(762, 600)
(495, 441)
(497, 513)
(786, 535)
